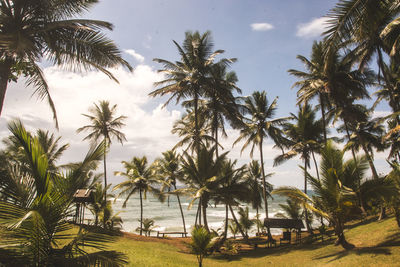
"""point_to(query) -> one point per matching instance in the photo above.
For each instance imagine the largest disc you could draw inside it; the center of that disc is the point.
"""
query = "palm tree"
(245, 220)
(260, 126)
(254, 177)
(188, 77)
(221, 105)
(233, 188)
(104, 125)
(292, 210)
(167, 168)
(32, 30)
(34, 230)
(185, 128)
(303, 138)
(201, 175)
(314, 82)
(366, 134)
(201, 243)
(331, 199)
(139, 177)
(148, 225)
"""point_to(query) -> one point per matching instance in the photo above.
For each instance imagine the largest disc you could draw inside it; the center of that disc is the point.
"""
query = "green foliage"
(201, 243)
(147, 226)
(35, 222)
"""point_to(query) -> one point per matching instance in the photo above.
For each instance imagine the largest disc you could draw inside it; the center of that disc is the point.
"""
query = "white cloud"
(312, 29)
(136, 55)
(261, 26)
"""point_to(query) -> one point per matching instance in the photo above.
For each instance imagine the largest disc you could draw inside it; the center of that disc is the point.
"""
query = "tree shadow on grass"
(356, 251)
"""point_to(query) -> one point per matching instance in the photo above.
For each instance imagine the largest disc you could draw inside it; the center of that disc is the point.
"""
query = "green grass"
(378, 244)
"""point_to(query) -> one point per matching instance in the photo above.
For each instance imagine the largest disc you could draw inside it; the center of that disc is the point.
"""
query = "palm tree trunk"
(258, 226)
(105, 169)
(308, 226)
(204, 206)
(369, 158)
(200, 211)
(341, 238)
(348, 137)
(226, 221)
(5, 71)
(322, 103)
(238, 224)
(180, 207)
(264, 186)
(141, 211)
(315, 163)
(196, 122)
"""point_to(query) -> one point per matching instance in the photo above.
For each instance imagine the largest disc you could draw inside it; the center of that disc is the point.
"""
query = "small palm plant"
(201, 243)
(147, 226)
(245, 220)
(233, 228)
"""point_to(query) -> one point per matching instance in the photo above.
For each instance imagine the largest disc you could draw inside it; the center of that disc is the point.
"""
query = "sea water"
(167, 215)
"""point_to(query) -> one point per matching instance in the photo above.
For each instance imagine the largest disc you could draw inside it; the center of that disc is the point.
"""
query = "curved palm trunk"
(196, 122)
(238, 224)
(264, 187)
(141, 211)
(180, 208)
(5, 71)
(341, 238)
(369, 159)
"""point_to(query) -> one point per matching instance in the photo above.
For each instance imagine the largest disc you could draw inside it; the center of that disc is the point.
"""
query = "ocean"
(167, 217)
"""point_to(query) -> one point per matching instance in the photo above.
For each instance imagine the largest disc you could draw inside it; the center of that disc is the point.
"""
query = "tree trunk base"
(382, 214)
(341, 240)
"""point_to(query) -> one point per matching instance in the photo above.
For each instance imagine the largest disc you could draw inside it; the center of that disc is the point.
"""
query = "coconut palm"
(314, 82)
(168, 169)
(34, 230)
(331, 199)
(221, 104)
(139, 177)
(234, 188)
(148, 225)
(188, 77)
(104, 125)
(254, 177)
(185, 128)
(245, 220)
(292, 210)
(201, 176)
(33, 30)
(260, 126)
(303, 138)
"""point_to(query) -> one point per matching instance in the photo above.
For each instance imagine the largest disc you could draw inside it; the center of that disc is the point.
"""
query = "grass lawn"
(377, 244)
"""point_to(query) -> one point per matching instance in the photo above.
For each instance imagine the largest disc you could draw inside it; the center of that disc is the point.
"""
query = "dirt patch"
(180, 242)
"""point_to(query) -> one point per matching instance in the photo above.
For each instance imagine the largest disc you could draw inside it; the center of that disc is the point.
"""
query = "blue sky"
(265, 36)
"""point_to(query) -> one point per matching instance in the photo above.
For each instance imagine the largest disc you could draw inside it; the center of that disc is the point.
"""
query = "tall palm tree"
(104, 125)
(303, 138)
(314, 82)
(188, 77)
(221, 104)
(168, 169)
(201, 175)
(32, 30)
(254, 177)
(139, 177)
(259, 126)
(33, 231)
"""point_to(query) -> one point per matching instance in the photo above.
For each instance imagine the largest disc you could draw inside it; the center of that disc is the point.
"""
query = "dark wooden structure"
(289, 225)
(81, 198)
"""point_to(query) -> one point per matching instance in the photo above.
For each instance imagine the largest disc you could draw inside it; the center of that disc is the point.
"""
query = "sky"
(265, 37)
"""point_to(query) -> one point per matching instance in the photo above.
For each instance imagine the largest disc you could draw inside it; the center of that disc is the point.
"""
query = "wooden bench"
(184, 234)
